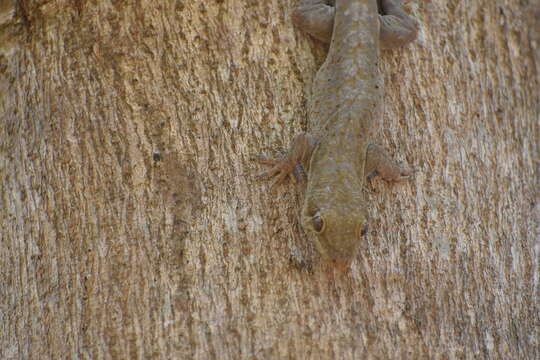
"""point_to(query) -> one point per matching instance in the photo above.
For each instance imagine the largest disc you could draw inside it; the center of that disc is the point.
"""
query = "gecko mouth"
(340, 265)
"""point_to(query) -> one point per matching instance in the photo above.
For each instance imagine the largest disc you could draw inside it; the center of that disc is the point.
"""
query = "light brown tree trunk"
(132, 227)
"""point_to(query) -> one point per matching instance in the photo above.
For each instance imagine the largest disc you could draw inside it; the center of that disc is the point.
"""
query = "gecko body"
(337, 148)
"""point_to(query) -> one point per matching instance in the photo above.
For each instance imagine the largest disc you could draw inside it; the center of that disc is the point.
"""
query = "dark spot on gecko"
(157, 156)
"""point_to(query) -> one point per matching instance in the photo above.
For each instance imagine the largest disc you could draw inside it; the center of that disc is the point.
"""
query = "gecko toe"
(281, 177)
(267, 161)
(405, 176)
(372, 174)
(293, 178)
(279, 180)
(407, 173)
(269, 173)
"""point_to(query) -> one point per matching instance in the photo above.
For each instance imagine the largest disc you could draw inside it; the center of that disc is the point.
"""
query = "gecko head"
(337, 232)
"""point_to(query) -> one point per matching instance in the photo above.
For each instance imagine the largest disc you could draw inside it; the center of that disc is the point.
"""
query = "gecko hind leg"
(316, 17)
(291, 165)
(397, 27)
(379, 163)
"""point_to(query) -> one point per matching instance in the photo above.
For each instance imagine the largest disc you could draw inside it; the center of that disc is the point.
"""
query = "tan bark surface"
(132, 227)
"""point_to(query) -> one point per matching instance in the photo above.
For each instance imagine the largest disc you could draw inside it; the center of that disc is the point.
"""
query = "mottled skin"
(337, 149)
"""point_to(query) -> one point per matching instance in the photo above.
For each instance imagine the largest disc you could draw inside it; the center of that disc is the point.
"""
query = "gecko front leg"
(294, 163)
(316, 17)
(379, 163)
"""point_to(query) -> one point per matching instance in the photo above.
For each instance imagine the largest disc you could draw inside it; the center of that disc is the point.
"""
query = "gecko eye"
(318, 224)
(364, 230)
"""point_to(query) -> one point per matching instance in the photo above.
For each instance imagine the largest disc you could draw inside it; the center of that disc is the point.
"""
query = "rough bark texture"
(131, 225)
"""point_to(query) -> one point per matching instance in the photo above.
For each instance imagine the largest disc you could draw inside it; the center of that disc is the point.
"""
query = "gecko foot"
(290, 165)
(392, 173)
(281, 169)
(406, 174)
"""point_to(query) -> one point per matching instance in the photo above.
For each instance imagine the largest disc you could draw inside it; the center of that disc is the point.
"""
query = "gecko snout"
(341, 265)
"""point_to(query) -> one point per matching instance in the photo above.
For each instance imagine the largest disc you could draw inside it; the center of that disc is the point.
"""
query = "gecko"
(336, 150)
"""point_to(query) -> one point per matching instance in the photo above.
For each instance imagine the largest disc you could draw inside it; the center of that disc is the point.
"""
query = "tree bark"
(133, 227)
